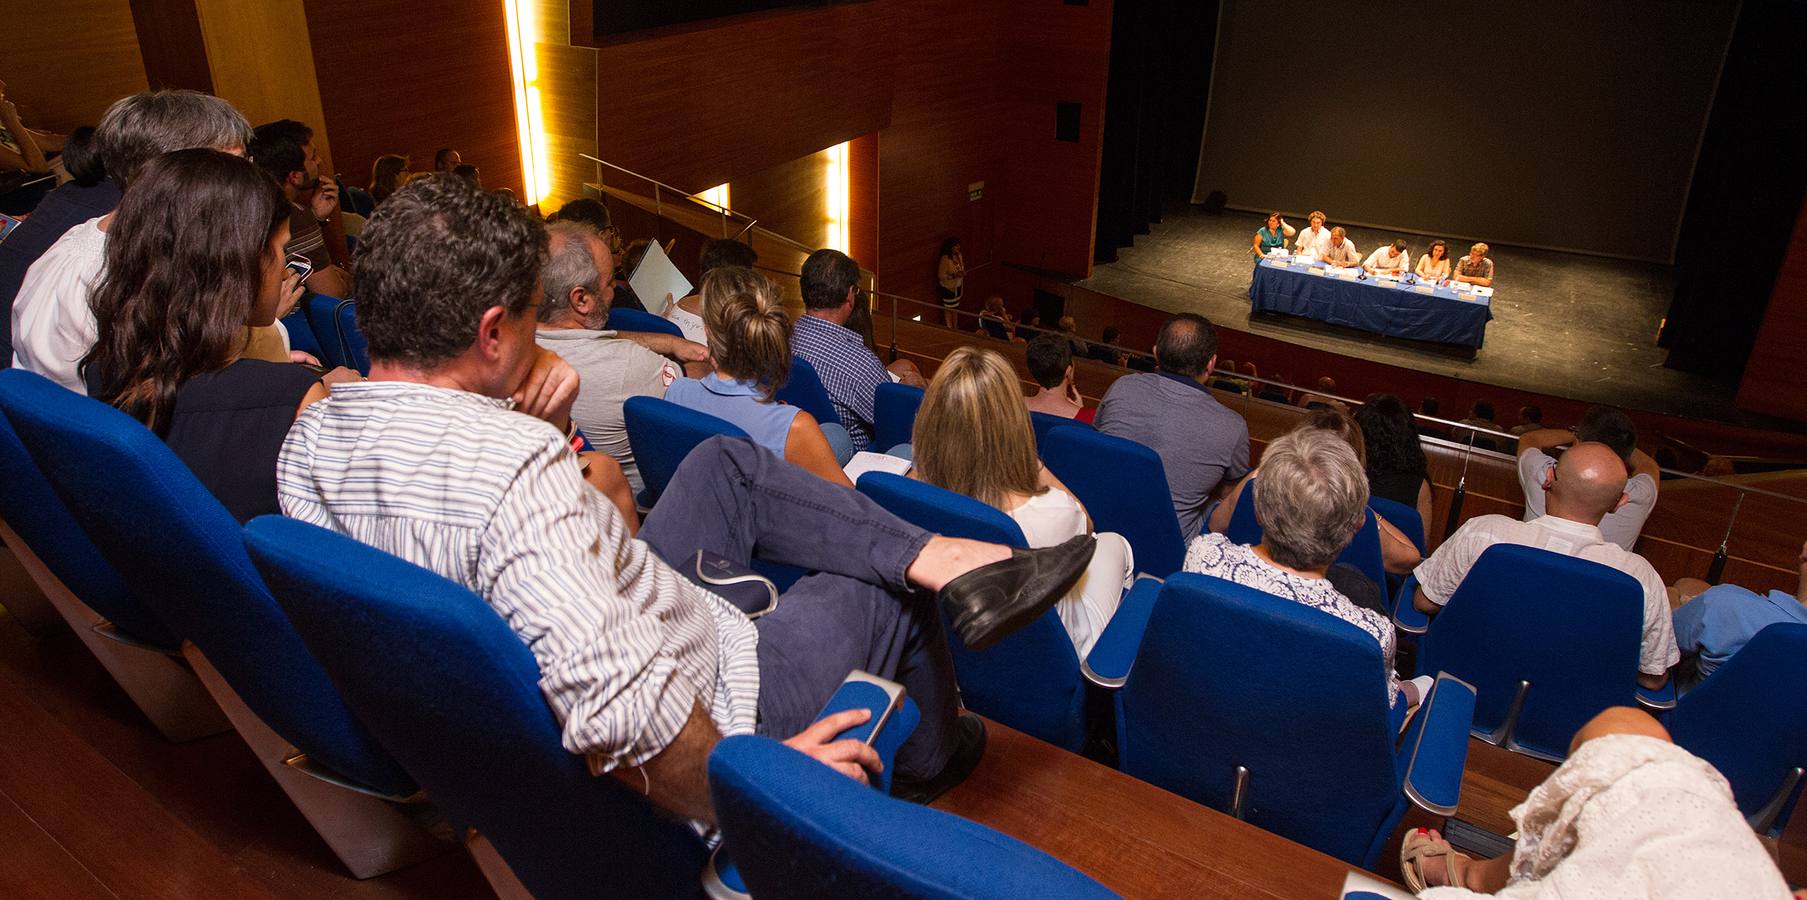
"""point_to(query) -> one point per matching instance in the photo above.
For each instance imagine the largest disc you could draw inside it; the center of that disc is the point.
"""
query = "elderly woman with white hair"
(1310, 499)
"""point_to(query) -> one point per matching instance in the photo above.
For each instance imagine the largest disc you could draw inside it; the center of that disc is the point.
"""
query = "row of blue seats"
(369, 687)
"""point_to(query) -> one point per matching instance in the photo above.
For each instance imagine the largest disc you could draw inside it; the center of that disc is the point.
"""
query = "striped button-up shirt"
(494, 500)
(848, 370)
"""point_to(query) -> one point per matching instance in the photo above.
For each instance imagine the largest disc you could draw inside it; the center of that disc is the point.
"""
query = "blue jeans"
(855, 611)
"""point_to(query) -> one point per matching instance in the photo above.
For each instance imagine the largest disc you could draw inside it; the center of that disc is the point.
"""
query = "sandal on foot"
(1418, 847)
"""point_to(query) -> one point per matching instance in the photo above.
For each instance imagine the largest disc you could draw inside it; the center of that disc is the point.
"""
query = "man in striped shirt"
(452, 457)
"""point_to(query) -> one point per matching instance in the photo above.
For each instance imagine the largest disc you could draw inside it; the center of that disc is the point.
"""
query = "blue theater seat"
(162, 531)
(894, 414)
(1043, 423)
(798, 829)
(634, 320)
(1277, 713)
(661, 434)
(804, 390)
(1547, 640)
(1124, 487)
(335, 326)
(454, 694)
(1362, 551)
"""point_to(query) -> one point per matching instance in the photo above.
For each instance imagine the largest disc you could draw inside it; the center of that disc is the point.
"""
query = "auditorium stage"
(1564, 324)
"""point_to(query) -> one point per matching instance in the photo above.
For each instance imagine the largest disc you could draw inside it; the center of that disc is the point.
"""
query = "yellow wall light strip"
(837, 192)
(530, 123)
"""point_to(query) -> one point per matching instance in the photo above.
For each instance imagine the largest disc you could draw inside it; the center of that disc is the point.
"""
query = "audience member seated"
(1272, 236)
(468, 172)
(386, 175)
(750, 343)
(52, 326)
(625, 264)
(86, 195)
(23, 149)
(445, 160)
(285, 149)
(643, 669)
(1475, 268)
(1430, 407)
(1273, 389)
(973, 437)
(1712, 622)
(1397, 469)
(1224, 378)
(1479, 416)
(1530, 418)
(1311, 500)
(1604, 425)
(1584, 485)
(1050, 364)
(1202, 445)
(1627, 814)
(838, 352)
(196, 255)
(1434, 264)
(611, 368)
(1315, 237)
(687, 313)
(1397, 552)
(1069, 328)
(1106, 351)
(1323, 396)
(1393, 259)
(1340, 252)
(995, 321)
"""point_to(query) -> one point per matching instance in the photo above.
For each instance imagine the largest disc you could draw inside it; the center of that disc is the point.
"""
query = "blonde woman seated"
(750, 341)
(1397, 552)
(1310, 498)
(973, 437)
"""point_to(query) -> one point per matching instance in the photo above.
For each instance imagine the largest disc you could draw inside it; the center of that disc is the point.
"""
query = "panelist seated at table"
(1273, 235)
(1475, 268)
(1339, 251)
(1315, 237)
(1391, 259)
(1434, 264)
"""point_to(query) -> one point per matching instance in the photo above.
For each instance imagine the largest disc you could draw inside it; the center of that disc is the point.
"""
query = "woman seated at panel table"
(1311, 499)
(1272, 236)
(1392, 259)
(973, 437)
(1434, 264)
(1475, 268)
(750, 341)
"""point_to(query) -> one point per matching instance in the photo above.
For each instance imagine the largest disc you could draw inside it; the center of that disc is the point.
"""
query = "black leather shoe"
(992, 601)
(969, 749)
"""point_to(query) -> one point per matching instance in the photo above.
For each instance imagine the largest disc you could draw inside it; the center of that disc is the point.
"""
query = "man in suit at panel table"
(1202, 445)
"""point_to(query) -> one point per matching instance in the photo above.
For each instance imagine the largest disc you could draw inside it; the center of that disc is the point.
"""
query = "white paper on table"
(1386, 282)
(1484, 291)
(1318, 270)
(867, 461)
(656, 276)
(1280, 262)
(1347, 273)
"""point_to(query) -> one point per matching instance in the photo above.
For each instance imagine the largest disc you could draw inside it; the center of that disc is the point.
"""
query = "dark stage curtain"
(1160, 79)
(1747, 190)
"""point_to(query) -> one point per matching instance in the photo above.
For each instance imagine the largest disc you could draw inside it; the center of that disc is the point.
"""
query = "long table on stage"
(1422, 312)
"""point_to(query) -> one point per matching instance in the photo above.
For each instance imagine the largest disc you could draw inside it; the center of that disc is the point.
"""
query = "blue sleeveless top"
(768, 424)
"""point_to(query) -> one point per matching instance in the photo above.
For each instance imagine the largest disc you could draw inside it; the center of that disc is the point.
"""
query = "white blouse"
(1053, 517)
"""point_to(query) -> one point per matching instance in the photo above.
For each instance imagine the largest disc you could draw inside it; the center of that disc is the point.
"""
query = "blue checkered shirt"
(848, 370)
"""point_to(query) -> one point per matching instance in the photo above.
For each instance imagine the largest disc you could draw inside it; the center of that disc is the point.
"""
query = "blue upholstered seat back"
(1749, 718)
(799, 829)
(1231, 676)
(804, 390)
(894, 414)
(1044, 422)
(1400, 516)
(635, 320)
(661, 434)
(38, 516)
(454, 694)
(335, 325)
(1124, 487)
(1030, 680)
(158, 526)
(1570, 627)
(1362, 551)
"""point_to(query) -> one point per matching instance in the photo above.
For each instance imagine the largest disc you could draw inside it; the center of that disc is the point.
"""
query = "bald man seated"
(1586, 484)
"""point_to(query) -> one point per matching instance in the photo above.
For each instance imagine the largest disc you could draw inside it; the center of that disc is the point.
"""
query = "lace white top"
(1633, 816)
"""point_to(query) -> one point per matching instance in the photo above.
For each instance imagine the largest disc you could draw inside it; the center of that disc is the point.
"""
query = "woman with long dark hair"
(194, 256)
(1396, 466)
(387, 175)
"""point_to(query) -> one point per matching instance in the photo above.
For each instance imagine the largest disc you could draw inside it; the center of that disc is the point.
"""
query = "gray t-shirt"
(611, 370)
(1621, 526)
(1199, 441)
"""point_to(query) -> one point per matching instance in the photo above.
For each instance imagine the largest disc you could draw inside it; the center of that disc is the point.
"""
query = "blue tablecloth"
(1444, 315)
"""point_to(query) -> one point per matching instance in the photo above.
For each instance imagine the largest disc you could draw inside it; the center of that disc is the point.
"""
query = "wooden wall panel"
(61, 74)
(1772, 377)
(568, 102)
(707, 106)
(244, 41)
(402, 77)
(789, 198)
